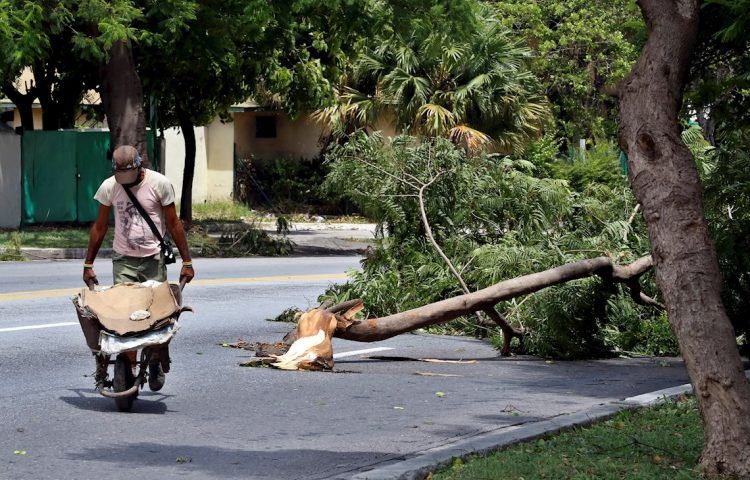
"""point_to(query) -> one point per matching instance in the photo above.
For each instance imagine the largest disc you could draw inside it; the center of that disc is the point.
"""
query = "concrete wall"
(220, 160)
(10, 180)
(294, 139)
(174, 162)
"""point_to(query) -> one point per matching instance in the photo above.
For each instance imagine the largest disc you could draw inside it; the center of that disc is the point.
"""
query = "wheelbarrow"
(124, 318)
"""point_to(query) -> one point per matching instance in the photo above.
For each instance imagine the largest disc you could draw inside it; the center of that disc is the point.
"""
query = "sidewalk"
(309, 239)
(328, 238)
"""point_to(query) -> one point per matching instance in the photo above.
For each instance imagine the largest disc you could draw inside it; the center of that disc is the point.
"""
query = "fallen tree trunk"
(376, 329)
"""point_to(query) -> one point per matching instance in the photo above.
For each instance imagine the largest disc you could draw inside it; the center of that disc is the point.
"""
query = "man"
(137, 253)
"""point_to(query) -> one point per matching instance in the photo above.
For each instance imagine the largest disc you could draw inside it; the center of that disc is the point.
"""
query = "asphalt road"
(214, 419)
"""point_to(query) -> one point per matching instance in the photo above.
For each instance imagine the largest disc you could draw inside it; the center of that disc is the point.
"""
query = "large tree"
(122, 98)
(45, 37)
(664, 177)
(72, 46)
(116, 26)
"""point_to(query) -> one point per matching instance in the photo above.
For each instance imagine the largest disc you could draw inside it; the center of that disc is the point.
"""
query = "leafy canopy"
(583, 49)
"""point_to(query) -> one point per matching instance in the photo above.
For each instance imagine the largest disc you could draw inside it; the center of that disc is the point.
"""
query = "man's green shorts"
(138, 269)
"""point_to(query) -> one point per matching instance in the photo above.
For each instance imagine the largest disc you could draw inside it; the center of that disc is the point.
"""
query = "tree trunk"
(24, 103)
(188, 133)
(122, 98)
(665, 181)
(59, 95)
(44, 78)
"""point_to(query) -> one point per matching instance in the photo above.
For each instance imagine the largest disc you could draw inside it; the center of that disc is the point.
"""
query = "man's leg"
(132, 269)
(125, 269)
(100, 375)
(154, 268)
(157, 367)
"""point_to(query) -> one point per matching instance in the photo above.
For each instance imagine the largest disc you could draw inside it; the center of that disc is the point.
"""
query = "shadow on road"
(89, 399)
(216, 462)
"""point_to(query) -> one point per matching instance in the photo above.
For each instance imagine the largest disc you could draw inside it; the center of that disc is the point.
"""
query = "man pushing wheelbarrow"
(143, 202)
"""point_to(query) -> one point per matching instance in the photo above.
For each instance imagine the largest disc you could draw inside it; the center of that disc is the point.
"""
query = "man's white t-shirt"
(133, 236)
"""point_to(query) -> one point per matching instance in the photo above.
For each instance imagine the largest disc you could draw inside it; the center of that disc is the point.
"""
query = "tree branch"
(376, 329)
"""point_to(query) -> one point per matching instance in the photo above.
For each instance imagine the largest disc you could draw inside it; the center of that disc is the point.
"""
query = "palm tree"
(470, 85)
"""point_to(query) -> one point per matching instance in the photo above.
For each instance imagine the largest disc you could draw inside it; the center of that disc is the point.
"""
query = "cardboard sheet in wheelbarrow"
(131, 308)
(127, 309)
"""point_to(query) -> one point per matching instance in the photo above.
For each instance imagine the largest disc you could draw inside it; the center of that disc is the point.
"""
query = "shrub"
(496, 220)
(726, 179)
(285, 185)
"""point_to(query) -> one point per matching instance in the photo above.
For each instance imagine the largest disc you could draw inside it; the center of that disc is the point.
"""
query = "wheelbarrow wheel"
(123, 380)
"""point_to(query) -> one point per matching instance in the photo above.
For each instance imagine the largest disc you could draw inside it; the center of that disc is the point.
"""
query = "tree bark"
(122, 98)
(188, 133)
(376, 329)
(665, 181)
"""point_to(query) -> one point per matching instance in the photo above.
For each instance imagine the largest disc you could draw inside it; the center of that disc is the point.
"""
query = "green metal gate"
(61, 171)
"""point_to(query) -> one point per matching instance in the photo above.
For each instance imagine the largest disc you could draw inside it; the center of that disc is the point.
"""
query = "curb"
(420, 466)
(316, 239)
(61, 253)
(80, 253)
(315, 251)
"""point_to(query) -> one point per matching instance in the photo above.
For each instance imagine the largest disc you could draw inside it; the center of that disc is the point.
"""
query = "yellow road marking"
(63, 292)
(34, 294)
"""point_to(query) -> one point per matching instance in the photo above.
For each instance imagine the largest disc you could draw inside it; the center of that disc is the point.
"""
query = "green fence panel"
(49, 177)
(62, 171)
(151, 148)
(93, 168)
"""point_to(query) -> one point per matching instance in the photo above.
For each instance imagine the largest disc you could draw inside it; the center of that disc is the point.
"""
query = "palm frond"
(473, 139)
(435, 119)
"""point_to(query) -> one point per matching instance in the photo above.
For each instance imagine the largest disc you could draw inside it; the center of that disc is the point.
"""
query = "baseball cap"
(126, 164)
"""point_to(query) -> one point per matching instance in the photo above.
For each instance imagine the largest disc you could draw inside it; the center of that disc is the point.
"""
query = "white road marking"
(33, 327)
(360, 352)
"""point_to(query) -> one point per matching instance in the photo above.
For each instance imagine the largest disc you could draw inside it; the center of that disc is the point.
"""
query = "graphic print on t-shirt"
(136, 230)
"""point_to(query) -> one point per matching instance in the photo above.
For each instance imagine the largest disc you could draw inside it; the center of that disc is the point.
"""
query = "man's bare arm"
(96, 237)
(174, 225)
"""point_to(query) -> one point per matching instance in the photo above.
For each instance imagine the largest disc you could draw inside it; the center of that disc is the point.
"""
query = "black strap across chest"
(144, 214)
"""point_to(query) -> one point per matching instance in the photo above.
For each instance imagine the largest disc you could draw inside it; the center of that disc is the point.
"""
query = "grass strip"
(50, 237)
(662, 442)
